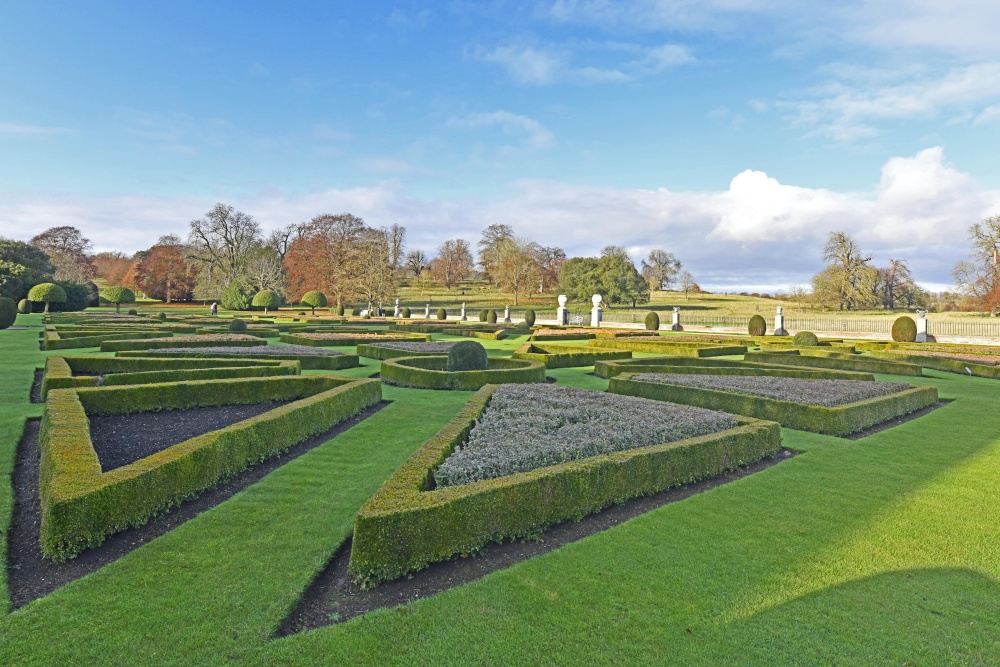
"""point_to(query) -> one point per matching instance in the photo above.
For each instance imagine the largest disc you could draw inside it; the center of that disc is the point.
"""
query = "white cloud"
(535, 134)
(757, 233)
(25, 130)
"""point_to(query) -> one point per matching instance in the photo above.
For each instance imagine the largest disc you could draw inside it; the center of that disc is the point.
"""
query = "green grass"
(871, 552)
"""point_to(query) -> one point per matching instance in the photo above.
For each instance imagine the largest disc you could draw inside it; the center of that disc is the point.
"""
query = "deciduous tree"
(453, 263)
(978, 278)
(660, 269)
(69, 252)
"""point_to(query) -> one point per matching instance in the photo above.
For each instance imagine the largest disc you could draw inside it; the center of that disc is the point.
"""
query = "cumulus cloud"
(758, 233)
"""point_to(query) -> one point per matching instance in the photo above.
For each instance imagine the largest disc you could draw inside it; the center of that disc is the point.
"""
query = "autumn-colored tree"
(325, 256)
(69, 252)
(112, 266)
(453, 263)
(163, 272)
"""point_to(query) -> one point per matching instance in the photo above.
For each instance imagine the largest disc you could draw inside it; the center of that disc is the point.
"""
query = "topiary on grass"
(757, 326)
(161, 316)
(491, 316)
(8, 312)
(133, 311)
(904, 330)
(24, 306)
(234, 298)
(237, 325)
(47, 293)
(314, 299)
(529, 318)
(405, 313)
(266, 299)
(118, 296)
(442, 314)
(652, 321)
(482, 315)
(805, 339)
(467, 356)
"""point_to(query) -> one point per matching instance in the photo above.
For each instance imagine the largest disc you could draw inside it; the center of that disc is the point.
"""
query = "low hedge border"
(303, 339)
(697, 366)
(55, 341)
(499, 334)
(536, 337)
(406, 525)
(941, 364)
(567, 356)
(428, 372)
(839, 421)
(81, 505)
(672, 347)
(858, 363)
(308, 362)
(141, 345)
(383, 353)
(59, 370)
(260, 333)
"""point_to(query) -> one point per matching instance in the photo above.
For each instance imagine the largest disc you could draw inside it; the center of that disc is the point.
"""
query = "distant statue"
(215, 309)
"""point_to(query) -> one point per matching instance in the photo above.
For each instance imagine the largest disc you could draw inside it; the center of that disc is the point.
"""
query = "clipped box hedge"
(158, 343)
(679, 348)
(264, 332)
(81, 505)
(407, 525)
(840, 420)
(942, 364)
(116, 371)
(382, 353)
(369, 337)
(308, 362)
(698, 366)
(54, 340)
(860, 363)
(428, 372)
(567, 356)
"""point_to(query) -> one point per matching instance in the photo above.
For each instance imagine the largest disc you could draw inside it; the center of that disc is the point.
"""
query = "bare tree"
(849, 281)
(69, 252)
(686, 282)
(397, 244)
(264, 272)
(515, 264)
(488, 244)
(660, 269)
(376, 278)
(978, 279)
(280, 239)
(453, 263)
(550, 261)
(416, 261)
(224, 242)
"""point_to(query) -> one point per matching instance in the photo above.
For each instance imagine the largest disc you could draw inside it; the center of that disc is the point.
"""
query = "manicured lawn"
(871, 552)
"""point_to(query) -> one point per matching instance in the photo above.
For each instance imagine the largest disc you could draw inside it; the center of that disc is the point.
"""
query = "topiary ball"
(161, 316)
(237, 325)
(652, 321)
(491, 316)
(405, 313)
(8, 312)
(757, 326)
(805, 339)
(302, 312)
(904, 330)
(467, 356)
(529, 318)
(24, 306)
(482, 315)
(442, 314)
(133, 311)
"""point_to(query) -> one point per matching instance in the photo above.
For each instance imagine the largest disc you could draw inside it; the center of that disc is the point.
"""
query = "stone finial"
(597, 300)
(562, 300)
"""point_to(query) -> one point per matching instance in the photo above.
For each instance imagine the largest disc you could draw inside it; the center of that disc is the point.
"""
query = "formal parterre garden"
(173, 486)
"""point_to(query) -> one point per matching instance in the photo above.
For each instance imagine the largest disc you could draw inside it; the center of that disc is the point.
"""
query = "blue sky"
(735, 133)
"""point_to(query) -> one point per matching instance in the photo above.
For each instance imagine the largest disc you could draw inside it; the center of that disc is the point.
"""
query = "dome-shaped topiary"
(467, 356)
(652, 321)
(314, 299)
(904, 330)
(8, 312)
(805, 339)
(529, 318)
(483, 314)
(757, 326)
(491, 316)
(405, 313)
(266, 299)
(237, 325)
(161, 316)
(47, 293)
(133, 311)
(442, 314)
(24, 306)
(117, 296)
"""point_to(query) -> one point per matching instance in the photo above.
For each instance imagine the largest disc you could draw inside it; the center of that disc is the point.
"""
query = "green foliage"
(237, 325)
(340, 310)
(757, 326)
(234, 298)
(133, 311)
(8, 312)
(670, 346)
(840, 420)
(314, 299)
(613, 276)
(47, 293)
(467, 355)
(567, 356)
(529, 318)
(309, 362)
(405, 312)
(131, 345)
(406, 526)
(22, 265)
(805, 339)
(442, 314)
(81, 506)
(161, 316)
(483, 314)
(904, 330)
(652, 321)
(266, 299)
(700, 366)
(117, 296)
(850, 363)
(431, 372)
(24, 306)
(491, 316)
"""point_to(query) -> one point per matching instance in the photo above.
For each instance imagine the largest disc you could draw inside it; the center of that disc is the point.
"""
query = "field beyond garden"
(876, 551)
